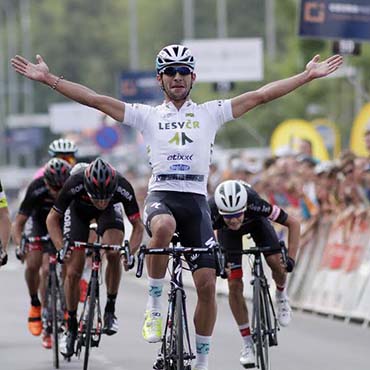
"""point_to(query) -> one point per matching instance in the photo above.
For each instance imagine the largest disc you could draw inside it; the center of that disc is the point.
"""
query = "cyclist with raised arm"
(5, 227)
(31, 220)
(97, 192)
(179, 135)
(238, 210)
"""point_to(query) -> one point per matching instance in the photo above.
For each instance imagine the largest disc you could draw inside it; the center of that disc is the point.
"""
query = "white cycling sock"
(155, 293)
(281, 293)
(202, 344)
(245, 333)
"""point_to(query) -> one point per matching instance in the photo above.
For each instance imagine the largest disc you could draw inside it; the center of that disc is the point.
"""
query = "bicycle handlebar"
(21, 250)
(123, 249)
(172, 250)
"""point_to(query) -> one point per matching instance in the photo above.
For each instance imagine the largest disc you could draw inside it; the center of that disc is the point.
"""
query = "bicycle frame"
(264, 324)
(90, 322)
(54, 297)
(175, 352)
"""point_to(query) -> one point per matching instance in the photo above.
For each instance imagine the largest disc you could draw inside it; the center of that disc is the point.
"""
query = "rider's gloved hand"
(290, 263)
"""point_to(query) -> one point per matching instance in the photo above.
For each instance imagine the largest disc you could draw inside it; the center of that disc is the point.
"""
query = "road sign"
(107, 137)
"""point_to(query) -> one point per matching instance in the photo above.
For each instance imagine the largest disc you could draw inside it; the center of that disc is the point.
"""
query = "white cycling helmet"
(174, 54)
(62, 146)
(79, 167)
(231, 197)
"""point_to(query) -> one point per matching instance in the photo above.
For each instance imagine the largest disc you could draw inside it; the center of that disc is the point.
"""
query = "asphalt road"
(311, 342)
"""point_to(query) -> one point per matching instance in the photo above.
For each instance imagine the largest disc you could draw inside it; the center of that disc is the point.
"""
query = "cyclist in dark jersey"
(5, 227)
(31, 220)
(237, 210)
(97, 193)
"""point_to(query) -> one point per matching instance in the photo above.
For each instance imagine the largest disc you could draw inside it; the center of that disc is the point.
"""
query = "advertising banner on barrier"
(326, 280)
(336, 247)
(303, 265)
(315, 278)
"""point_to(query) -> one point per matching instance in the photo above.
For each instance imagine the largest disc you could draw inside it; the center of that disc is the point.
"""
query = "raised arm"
(314, 69)
(40, 72)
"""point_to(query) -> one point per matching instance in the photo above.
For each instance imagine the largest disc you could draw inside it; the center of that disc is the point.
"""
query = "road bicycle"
(53, 316)
(90, 322)
(175, 352)
(264, 324)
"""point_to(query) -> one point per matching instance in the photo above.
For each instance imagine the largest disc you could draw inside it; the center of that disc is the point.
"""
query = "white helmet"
(174, 54)
(79, 167)
(231, 197)
(62, 146)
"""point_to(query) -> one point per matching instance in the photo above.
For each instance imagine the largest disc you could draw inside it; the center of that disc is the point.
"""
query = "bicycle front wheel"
(90, 320)
(178, 331)
(260, 329)
(54, 315)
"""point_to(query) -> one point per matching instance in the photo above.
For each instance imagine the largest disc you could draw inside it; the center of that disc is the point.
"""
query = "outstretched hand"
(317, 69)
(30, 70)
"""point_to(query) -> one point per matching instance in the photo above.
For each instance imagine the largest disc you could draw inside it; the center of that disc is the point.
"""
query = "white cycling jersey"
(179, 142)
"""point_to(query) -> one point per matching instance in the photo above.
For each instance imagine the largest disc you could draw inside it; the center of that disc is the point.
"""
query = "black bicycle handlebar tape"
(283, 252)
(290, 264)
(62, 253)
(130, 258)
(220, 262)
(22, 245)
(140, 261)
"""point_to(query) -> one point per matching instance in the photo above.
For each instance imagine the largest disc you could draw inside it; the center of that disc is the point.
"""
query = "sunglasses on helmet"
(181, 70)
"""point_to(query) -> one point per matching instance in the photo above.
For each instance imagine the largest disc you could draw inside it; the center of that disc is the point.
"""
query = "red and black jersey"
(74, 190)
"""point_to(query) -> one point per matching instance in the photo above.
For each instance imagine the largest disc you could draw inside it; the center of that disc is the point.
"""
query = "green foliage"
(88, 42)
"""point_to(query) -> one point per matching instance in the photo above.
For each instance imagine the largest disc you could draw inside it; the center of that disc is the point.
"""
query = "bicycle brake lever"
(140, 262)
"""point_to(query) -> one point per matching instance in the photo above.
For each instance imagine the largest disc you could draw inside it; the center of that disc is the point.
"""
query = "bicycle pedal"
(159, 364)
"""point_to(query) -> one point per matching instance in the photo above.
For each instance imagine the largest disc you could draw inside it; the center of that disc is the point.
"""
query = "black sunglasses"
(182, 70)
(233, 215)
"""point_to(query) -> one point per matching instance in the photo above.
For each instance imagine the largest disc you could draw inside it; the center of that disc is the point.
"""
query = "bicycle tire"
(179, 331)
(259, 326)
(90, 320)
(54, 316)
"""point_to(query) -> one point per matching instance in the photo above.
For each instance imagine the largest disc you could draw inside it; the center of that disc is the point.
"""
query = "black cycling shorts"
(262, 233)
(36, 226)
(193, 221)
(76, 225)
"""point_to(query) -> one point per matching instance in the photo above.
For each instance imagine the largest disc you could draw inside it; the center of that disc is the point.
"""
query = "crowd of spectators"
(303, 185)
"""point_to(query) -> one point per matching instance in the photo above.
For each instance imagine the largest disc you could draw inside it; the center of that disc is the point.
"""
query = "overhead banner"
(224, 60)
(335, 19)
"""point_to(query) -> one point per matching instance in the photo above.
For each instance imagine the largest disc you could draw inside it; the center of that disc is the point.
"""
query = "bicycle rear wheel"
(260, 329)
(90, 320)
(54, 315)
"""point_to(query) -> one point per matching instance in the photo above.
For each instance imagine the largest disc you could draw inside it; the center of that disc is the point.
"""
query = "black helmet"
(56, 172)
(100, 179)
